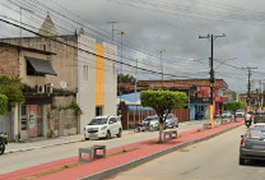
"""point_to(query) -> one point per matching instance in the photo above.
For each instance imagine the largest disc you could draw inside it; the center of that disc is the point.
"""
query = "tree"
(126, 78)
(162, 102)
(234, 106)
(12, 88)
(3, 104)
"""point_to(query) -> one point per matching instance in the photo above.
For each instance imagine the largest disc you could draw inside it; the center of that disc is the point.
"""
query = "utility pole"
(249, 85)
(112, 29)
(211, 37)
(260, 95)
(162, 67)
(135, 92)
(120, 78)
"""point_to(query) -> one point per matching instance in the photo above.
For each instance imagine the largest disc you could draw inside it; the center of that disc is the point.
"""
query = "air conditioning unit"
(49, 88)
(40, 89)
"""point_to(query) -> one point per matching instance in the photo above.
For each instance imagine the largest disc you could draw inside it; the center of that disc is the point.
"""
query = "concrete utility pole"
(260, 105)
(112, 29)
(121, 62)
(211, 37)
(249, 86)
(162, 67)
(135, 92)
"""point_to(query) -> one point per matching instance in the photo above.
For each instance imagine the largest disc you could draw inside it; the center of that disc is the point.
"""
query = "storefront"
(33, 118)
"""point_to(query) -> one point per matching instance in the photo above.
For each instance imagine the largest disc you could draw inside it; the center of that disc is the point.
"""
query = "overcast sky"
(171, 26)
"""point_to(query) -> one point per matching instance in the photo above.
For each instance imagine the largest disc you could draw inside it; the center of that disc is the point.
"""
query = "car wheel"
(242, 161)
(86, 139)
(108, 136)
(2, 147)
(177, 125)
(119, 134)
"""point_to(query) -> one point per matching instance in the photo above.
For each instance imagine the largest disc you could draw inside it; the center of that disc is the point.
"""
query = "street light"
(233, 58)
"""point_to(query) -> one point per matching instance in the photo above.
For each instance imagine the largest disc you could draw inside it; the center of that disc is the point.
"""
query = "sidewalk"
(116, 161)
(14, 147)
(43, 143)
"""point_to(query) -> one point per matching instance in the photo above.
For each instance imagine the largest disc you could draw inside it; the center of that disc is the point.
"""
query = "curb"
(40, 147)
(113, 171)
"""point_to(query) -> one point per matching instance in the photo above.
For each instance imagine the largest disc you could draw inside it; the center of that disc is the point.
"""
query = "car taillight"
(242, 142)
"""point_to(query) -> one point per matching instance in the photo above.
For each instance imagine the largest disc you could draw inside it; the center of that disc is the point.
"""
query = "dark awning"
(41, 66)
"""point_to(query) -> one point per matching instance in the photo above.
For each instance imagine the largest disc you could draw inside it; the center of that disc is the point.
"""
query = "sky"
(160, 35)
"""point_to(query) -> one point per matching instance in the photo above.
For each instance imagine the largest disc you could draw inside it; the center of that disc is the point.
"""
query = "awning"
(41, 66)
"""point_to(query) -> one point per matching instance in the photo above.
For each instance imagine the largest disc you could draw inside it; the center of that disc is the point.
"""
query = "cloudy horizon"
(162, 29)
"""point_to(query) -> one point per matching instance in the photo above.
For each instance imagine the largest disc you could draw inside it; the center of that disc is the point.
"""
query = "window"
(31, 71)
(85, 72)
(114, 120)
(39, 67)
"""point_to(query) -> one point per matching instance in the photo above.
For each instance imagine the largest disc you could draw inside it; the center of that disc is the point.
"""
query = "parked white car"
(240, 113)
(103, 127)
(226, 114)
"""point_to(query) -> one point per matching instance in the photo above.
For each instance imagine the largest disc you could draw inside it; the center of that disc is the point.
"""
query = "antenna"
(64, 85)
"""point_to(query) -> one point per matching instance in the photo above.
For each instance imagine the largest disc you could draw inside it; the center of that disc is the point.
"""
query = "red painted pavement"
(144, 148)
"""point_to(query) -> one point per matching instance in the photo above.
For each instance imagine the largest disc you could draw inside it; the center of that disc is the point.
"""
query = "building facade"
(197, 90)
(57, 71)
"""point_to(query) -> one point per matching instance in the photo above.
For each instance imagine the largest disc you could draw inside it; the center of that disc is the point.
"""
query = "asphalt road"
(214, 159)
(20, 160)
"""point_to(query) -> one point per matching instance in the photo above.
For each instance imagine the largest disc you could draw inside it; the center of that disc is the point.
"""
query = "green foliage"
(13, 89)
(3, 104)
(162, 102)
(75, 107)
(126, 78)
(234, 106)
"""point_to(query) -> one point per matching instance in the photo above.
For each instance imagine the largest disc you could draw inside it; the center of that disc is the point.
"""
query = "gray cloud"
(150, 26)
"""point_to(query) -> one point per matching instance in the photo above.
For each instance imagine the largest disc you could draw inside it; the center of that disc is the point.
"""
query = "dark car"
(252, 145)
(199, 115)
(3, 142)
(258, 118)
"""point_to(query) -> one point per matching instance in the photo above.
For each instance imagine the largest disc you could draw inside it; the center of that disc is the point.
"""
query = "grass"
(53, 171)
(122, 152)
(73, 165)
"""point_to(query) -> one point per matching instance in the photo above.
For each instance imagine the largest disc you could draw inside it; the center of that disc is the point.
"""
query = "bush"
(3, 104)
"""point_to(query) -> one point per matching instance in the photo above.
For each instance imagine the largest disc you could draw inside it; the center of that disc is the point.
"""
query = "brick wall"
(9, 61)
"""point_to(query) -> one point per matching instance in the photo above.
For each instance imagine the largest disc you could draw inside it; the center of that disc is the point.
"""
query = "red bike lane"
(116, 157)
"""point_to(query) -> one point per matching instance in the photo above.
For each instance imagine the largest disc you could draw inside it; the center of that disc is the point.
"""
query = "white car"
(103, 127)
(226, 114)
(240, 113)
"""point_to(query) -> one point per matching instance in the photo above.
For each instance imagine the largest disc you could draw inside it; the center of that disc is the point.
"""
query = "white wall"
(111, 80)
(86, 85)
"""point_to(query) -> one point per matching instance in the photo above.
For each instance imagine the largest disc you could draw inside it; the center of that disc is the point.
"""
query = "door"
(24, 126)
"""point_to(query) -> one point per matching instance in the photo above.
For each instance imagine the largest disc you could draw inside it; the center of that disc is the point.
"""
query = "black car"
(258, 118)
(3, 142)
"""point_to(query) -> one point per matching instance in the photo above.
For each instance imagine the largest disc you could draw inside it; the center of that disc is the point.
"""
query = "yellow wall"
(100, 75)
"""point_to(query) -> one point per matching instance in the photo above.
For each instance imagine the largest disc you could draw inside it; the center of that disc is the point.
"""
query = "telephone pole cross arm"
(211, 37)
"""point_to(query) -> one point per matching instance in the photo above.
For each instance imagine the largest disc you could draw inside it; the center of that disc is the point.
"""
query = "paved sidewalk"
(43, 143)
(116, 161)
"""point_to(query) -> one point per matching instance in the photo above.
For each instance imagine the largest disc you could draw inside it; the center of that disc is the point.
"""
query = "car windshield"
(260, 116)
(255, 134)
(261, 126)
(98, 121)
(147, 119)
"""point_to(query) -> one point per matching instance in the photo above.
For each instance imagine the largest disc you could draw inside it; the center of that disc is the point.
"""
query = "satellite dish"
(63, 84)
